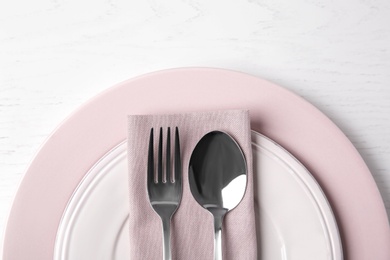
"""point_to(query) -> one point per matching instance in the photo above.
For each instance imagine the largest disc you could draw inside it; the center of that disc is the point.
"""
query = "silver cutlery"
(164, 185)
(218, 177)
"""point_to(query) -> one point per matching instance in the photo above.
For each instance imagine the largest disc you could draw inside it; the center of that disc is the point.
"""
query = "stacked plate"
(315, 198)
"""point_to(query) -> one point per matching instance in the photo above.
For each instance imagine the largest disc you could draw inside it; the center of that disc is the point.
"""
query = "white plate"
(294, 219)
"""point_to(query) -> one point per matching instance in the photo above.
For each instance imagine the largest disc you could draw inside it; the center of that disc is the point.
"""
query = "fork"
(165, 188)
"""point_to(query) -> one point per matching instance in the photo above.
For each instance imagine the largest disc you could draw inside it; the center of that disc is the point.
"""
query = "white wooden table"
(57, 54)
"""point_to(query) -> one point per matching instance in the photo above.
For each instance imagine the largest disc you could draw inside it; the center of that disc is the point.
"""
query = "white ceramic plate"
(294, 219)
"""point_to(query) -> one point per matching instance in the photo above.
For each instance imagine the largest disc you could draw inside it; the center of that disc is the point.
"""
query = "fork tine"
(168, 157)
(151, 159)
(159, 164)
(177, 157)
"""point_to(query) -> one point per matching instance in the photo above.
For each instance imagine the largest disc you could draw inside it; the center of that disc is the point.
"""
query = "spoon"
(217, 176)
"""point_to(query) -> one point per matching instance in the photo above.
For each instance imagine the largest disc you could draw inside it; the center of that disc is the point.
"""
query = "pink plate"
(100, 125)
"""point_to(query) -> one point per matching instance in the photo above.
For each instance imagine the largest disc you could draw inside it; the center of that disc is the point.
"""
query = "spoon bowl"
(218, 178)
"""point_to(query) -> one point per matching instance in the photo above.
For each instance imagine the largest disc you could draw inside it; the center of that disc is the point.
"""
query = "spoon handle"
(218, 244)
(218, 219)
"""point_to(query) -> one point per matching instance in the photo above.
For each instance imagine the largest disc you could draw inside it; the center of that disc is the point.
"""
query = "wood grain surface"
(57, 54)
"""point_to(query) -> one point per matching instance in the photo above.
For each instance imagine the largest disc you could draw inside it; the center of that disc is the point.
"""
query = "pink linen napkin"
(192, 231)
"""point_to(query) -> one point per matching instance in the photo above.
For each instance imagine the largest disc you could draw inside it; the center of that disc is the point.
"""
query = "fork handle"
(166, 228)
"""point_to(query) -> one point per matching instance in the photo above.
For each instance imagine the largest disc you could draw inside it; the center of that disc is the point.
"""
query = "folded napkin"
(192, 231)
